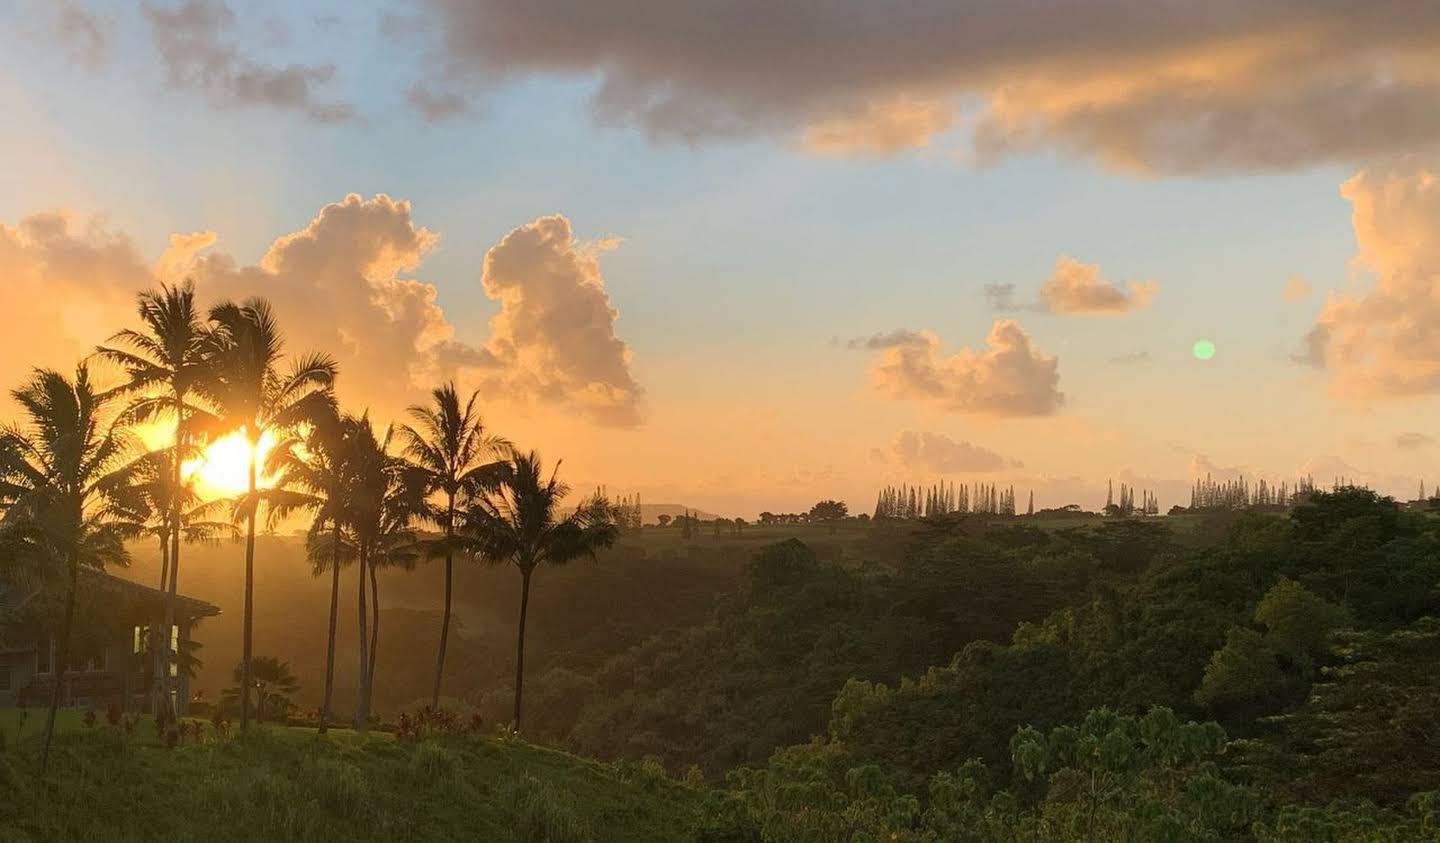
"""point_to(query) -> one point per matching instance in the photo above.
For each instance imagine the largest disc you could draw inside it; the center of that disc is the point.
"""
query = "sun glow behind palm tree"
(223, 470)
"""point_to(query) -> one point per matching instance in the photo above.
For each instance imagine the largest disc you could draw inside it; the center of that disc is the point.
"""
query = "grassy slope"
(282, 784)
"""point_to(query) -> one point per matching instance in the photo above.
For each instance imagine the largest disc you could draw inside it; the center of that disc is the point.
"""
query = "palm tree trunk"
(155, 689)
(374, 638)
(449, 589)
(170, 703)
(362, 716)
(520, 644)
(58, 669)
(248, 621)
(330, 638)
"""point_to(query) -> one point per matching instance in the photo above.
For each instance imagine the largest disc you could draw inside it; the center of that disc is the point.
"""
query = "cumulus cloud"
(340, 284)
(191, 40)
(1010, 377)
(554, 336)
(1384, 342)
(1076, 287)
(74, 281)
(1158, 87)
(1411, 441)
(937, 453)
(1296, 289)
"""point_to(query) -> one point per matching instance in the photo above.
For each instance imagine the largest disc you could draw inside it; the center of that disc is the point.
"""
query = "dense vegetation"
(1242, 672)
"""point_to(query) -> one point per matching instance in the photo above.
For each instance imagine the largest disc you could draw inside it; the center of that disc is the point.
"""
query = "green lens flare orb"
(1203, 349)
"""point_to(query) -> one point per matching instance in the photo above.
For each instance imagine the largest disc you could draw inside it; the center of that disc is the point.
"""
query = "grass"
(277, 783)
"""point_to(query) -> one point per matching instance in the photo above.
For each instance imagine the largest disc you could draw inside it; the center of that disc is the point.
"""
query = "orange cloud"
(936, 453)
(884, 128)
(554, 337)
(1385, 342)
(1296, 289)
(340, 285)
(1009, 378)
(67, 285)
(1077, 287)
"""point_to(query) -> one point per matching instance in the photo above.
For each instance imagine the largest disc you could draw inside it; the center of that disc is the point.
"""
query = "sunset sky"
(741, 259)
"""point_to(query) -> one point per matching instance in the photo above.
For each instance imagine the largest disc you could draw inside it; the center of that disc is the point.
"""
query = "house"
(109, 639)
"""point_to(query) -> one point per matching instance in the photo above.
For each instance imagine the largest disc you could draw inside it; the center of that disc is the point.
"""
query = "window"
(175, 651)
(141, 633)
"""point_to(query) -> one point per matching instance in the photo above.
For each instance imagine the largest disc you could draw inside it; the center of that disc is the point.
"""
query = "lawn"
(279, 783)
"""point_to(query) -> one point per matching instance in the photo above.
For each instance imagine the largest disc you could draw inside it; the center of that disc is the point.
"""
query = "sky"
(742, 257)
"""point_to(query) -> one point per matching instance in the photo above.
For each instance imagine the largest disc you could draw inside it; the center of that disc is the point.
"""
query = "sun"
(223, 471)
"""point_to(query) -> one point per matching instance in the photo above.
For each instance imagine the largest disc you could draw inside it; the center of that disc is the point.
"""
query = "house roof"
(191, 607)
(12, 597)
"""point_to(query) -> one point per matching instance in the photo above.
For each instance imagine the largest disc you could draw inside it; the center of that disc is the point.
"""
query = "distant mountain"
(650, 512)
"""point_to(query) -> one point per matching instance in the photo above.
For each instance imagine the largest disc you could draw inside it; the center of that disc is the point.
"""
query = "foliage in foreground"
(277, 784)
(1112, 778)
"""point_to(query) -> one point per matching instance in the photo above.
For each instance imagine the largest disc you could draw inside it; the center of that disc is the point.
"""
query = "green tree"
(252, 396)
(58, 469)
(519, 522)
(453, 457)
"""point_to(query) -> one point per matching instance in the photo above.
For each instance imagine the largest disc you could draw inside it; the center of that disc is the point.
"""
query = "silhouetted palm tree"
(146, 500)
(57, 470)
(251, 396)
(454, 458)
(164, 363)
(382, 504)
(270, 681)
(519, 522)
(310, 472)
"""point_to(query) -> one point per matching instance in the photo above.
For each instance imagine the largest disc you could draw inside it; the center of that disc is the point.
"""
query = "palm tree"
(145, 501)
(57, 470)
(164, 364)
(519, 522)
(310, 472)
(272, 682)
(452, 456)
(383, 503)
(253, 397)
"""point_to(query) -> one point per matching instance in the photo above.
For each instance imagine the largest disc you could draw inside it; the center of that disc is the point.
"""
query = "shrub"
(543, 814)
(432, 762)
(341, 788)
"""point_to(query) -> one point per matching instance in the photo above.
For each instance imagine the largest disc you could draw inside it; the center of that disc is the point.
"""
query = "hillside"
(582, 614)
(281, 784)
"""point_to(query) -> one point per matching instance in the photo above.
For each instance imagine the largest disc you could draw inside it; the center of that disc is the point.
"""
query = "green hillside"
(284, 784)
